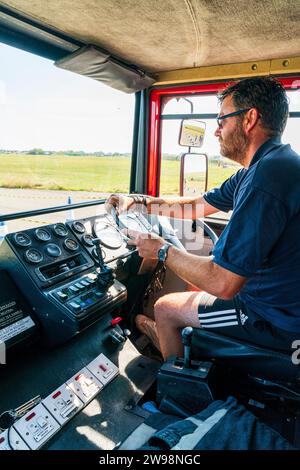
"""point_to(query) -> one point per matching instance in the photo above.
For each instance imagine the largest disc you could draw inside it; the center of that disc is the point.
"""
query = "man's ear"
(251, 119)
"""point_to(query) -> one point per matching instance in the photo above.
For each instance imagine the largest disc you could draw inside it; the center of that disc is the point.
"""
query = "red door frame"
(153, 175)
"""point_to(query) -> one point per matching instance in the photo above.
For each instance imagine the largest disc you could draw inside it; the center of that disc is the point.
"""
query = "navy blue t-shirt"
(262, 238)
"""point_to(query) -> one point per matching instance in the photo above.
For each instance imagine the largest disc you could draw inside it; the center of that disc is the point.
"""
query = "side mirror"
(193, 174)
(192, 133)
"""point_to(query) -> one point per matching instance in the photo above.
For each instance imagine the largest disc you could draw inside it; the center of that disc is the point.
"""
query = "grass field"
(100, 174)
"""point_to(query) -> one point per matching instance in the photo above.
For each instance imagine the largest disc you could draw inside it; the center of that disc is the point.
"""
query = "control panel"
(113, 241)
(49, 253)
(83, 294)
(66, 272)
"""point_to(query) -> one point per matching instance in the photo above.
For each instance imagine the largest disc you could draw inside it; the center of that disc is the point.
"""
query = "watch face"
(161, 254)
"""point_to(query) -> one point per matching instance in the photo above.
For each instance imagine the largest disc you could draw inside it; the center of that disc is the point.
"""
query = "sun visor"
(101, 66)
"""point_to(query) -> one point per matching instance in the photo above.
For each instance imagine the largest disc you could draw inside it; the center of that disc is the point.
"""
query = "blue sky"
(45, 107)
(42, 106)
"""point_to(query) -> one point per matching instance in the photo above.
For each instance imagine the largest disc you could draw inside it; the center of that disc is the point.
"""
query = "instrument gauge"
(88, 240)
(60, 230)
(42, 235)
(78, 227)
(108, 235)
(33, 256)
(71, 244)
(22, 239)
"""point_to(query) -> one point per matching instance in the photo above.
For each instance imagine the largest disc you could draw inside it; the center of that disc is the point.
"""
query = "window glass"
(219, 168)
(63, 136)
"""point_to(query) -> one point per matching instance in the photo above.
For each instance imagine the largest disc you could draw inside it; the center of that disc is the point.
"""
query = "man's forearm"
(196, 270)
(203, 273)
(179, 207)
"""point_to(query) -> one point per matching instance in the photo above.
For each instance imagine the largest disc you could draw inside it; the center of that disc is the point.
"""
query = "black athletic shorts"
(234, 319)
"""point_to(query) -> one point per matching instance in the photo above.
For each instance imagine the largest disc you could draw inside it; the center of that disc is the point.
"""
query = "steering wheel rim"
(208, 230)
(168, 233)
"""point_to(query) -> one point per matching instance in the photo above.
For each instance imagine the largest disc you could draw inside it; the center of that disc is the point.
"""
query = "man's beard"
(236, 145)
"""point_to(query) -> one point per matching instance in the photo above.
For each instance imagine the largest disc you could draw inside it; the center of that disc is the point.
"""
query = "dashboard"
(58, 270)
(60, 308)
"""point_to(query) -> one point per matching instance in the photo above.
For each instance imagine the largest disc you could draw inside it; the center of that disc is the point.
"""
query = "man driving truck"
(249, 286)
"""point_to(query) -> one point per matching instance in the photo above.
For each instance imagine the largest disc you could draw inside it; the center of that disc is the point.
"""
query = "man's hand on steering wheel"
(147, 244)
(119, 202)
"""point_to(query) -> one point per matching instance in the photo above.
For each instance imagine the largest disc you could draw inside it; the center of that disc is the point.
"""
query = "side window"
(63, 136)
(291, 133)
(219, 168)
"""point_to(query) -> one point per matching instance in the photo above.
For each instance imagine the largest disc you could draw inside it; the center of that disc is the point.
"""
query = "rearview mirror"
(192, 133)
(193, 174)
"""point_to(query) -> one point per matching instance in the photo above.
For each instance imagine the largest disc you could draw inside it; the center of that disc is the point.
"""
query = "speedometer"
(108, 235)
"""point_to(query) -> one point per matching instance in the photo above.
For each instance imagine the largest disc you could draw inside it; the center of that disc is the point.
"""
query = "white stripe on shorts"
(217, 325)
(215, 320)
(219, 312)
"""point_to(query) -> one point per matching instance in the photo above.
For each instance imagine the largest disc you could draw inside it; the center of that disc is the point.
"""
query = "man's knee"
(164, 306)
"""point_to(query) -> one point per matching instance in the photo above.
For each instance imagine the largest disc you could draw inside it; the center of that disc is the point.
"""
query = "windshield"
(64, 137)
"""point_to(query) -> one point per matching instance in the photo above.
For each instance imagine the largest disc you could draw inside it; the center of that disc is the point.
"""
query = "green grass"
(100, 174)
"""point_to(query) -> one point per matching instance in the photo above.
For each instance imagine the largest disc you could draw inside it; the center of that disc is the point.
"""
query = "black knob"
(186, 335)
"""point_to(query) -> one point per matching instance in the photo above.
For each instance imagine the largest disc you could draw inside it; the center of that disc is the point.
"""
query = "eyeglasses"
(225, 116)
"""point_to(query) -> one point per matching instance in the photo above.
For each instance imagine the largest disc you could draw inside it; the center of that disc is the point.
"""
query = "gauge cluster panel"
(56, 268)
(113, 242)
(50, 253)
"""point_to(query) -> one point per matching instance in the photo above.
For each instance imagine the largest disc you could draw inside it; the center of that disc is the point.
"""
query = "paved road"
(17, 200)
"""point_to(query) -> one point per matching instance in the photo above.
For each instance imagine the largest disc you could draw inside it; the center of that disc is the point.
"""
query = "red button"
(28, 418)
(116, 320)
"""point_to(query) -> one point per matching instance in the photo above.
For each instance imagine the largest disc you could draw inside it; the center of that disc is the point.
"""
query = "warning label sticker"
(16, 328)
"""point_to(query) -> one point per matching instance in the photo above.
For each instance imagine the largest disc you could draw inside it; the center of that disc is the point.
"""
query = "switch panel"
(85, 385)
(103, 369)
(63, 403)
(37, 426)
(14, 442)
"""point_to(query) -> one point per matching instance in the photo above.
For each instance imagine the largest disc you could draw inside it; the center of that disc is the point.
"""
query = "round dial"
(71, 244)
(42, 234)
(88, 240)
(33, 256)
(53, 250)
(108, 235)
(60, 230)
(78, 227)
(22, 239)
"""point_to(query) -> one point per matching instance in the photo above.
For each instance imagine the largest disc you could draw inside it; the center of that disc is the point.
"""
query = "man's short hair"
(267, 95)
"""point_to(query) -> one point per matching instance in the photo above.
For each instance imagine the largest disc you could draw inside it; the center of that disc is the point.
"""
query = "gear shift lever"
(186, 336)
(106, 276)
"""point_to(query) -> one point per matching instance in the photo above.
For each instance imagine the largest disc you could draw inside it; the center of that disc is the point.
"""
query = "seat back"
(249, 358)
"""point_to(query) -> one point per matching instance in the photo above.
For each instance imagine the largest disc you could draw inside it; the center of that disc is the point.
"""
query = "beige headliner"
(161, 35)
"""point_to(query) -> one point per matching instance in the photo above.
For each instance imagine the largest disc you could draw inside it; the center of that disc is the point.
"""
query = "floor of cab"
(104, 422)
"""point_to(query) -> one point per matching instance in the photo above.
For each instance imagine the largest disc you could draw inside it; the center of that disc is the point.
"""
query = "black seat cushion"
(249, 358)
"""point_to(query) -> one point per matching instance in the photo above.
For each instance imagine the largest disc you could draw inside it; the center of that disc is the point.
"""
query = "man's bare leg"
(172, 313)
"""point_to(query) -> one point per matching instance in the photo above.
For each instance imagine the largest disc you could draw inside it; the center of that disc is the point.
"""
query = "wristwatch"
(162, 253)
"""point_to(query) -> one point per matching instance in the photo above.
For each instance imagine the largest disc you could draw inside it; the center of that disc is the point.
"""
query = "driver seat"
(269, 368)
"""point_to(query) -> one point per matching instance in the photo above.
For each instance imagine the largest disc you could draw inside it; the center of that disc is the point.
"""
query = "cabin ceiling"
(175, 34)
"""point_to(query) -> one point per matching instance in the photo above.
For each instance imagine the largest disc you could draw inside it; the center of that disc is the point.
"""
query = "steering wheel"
(166, 230)
(158, 224)
(209, 231)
